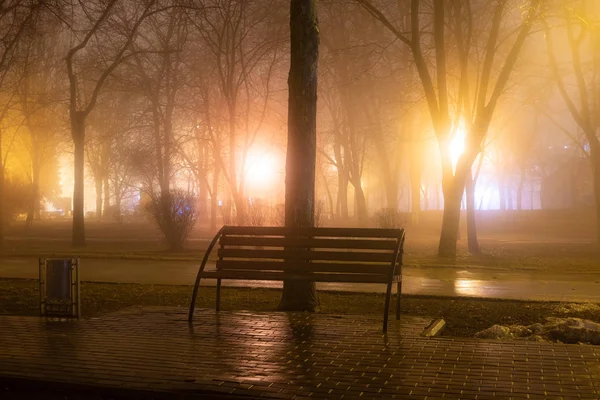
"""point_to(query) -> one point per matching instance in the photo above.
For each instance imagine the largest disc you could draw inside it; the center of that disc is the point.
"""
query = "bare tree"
(98, 145)
(160, 76)
(578, 79)
(17, 20)
(101, 39)
(202, 147)
(344, 105)
(243, 38)
(40, 96)
(475, 99)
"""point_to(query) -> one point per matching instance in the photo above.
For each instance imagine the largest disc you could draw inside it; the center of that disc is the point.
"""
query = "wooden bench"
(346, 255)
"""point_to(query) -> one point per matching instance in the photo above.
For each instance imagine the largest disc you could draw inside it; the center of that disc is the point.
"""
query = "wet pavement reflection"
(282, 355)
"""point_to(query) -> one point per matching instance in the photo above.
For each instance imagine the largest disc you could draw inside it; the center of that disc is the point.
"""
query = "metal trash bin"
(59, 287)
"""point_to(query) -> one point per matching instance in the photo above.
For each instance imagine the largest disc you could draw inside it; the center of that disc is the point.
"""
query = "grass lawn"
(463, 316)
(516, 241)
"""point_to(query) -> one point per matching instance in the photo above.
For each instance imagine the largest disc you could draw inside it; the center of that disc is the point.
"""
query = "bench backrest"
(359, 251)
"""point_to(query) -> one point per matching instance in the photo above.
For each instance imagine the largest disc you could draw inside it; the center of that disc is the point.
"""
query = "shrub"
(389, 218)
(278, 217)
(175, 214)
(227, 215)
(257, 214)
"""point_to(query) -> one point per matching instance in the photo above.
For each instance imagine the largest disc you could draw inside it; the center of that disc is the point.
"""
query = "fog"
(152, 99)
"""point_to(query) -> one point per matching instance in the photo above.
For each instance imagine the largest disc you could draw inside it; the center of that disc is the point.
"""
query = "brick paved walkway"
(283, 355)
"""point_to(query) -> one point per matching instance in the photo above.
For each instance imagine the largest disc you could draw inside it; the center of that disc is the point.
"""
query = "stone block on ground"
(495, 332)
(576, 330)
(566, 330)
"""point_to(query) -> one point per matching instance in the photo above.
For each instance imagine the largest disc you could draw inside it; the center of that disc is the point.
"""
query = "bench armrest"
(202, 266)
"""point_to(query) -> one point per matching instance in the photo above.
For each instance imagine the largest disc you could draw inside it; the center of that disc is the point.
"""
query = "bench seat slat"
(314, 243)
(279, 276)
(307, 255)
(324, 232)
(302, 266)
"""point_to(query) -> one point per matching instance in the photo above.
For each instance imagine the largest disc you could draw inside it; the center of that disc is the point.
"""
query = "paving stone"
(289, 355)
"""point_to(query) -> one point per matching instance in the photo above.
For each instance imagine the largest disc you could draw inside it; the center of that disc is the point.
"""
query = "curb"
(435, 328)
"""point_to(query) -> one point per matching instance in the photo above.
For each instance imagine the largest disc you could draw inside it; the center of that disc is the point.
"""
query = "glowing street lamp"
(261, 169)
(457, 144)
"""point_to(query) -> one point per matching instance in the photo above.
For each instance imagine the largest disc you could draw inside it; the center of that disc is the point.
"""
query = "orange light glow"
(260, 168)
(457, 144)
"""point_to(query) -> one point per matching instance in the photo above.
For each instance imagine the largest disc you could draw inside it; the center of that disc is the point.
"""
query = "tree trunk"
(472, 243)
(360, 203)
(389, 179)
(117, 214)
(106, 205)
(415, 191)
(453, 188)
(450, 223)
(508, 194)
(471, 182)
(98, 182)
(78, 133)
(240, 217)
(203, 195)
(33, 211)
(595, 160)
(36, 200)
(105, 168)
(165, 184)
(302, 142)
(501, 193)
(343, 194)
(328, 194)
(31, 206)
(520, 190)
(425, 193)
(240, 208)
(391, 184)
(342, 173)
(214, 200)
(2, 182)
(416, 171)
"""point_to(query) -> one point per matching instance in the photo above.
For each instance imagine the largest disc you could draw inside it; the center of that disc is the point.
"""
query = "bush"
(227, 215)
(389, 218)
(175, 214)
(278, 215)
(258, 214)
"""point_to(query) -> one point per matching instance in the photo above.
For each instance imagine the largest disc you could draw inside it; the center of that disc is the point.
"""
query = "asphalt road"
(437, 281)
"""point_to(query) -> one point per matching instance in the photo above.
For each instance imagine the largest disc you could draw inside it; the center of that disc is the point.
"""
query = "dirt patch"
(464, 316)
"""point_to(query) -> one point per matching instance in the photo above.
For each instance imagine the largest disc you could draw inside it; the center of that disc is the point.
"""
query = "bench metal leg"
(387, 306)
(218, 294)
(398, 291)
(193, 303)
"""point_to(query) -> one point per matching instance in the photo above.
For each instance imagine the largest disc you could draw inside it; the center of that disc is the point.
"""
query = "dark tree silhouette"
(302, 139)
(82, 102)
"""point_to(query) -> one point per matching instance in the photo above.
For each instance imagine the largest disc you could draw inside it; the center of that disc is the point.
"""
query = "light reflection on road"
(469, 287)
